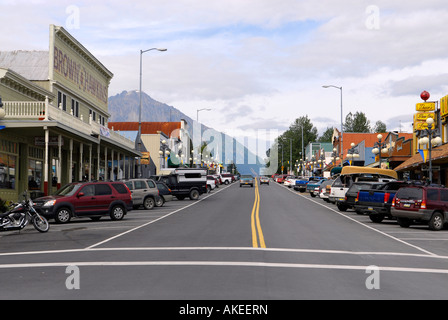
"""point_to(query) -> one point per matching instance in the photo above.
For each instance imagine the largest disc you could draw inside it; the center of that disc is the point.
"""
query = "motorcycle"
(19, 217)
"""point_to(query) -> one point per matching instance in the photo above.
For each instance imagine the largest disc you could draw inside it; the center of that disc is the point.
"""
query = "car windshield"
(410, 193)
(246, 177)
(358, 186)
(68, 190)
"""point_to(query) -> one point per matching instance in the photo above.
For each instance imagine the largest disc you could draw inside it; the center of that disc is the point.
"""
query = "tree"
(357, 123)
(327, 135)
(293, 136)
(380, 127)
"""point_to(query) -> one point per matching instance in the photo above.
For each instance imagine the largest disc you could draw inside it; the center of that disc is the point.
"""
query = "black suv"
(86, 199)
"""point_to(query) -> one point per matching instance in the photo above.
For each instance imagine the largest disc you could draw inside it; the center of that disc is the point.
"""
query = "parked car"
(86, 199)
(290, 181)
(280, 178)
(144, 192)
(377, 203)
(301, 183)
(246, 180)
(186, 182)
(351, 174)
(264, 179)
(211, 183)
(227, 178)
(324, 189)
(352, 193)
(164, 193)
(313, 187)
(427, 204)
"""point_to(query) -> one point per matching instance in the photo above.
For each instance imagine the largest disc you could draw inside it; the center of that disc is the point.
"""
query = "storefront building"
(54, 120)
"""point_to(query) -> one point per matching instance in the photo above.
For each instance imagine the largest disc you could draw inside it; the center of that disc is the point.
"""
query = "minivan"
(427, 204)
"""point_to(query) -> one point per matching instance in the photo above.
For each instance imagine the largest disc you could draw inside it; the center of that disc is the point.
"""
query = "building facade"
(54, 120)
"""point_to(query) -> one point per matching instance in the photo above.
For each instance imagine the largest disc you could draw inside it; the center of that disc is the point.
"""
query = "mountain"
(125, 107)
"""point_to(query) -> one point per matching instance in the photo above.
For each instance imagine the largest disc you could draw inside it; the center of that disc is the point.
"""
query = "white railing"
(38, 111)
(24, 109)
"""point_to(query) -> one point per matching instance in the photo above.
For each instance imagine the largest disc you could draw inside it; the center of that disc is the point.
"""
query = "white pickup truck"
(351, 174)
(227, 178)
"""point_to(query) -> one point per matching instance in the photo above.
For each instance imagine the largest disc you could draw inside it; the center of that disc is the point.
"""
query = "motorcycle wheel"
(40, 223)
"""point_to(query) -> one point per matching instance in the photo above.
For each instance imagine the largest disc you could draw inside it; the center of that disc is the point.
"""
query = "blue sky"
(259, 64)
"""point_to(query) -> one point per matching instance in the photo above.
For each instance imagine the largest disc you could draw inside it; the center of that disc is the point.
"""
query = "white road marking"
(219, 264)
(369, 227)
(154, 221)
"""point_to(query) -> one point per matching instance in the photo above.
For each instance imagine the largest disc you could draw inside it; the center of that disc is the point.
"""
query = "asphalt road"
(261, 243)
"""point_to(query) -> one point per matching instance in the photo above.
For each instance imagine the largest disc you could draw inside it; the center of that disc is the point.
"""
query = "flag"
(424, 154)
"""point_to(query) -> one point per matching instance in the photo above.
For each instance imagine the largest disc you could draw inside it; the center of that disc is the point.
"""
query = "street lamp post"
(342, 128)
(140, 107)
(351, 153)
(432, 138)
(379, 148)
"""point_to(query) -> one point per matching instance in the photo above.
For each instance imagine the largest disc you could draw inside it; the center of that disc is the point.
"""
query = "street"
(262, 243)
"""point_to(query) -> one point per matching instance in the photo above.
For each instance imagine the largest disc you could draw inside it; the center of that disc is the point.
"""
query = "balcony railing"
(40, 110)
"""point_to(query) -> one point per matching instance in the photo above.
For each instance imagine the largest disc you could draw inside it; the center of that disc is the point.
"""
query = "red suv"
(86, 199)
(428, 204)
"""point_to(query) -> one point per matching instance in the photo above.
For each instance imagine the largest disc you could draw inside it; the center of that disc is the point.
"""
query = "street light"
(379, 148)
(431, 138)
(342, 128)
(351, 153)
(140, 108)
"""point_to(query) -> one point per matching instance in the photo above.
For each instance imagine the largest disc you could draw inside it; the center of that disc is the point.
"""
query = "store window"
(62, 100)
(75, 108)
(34, 174)
(7, 171)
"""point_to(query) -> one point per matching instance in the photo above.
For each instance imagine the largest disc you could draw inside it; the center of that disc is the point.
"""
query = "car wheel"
(63, 215)
(160, 202)
(342, 207)
(377, 218)
(149, 203)
(436, 222)
(194, 194)
(404, 222)
(226, 182)
(117, 213)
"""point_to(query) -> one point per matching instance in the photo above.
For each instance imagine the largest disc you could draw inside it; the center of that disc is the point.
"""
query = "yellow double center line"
(255, 220)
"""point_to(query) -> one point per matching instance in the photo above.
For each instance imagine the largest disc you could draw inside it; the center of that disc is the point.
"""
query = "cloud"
(263, 62)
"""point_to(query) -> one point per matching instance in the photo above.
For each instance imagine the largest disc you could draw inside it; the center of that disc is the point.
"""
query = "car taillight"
(357, 197)
(386, 197)
(393, 202)
(423, 204)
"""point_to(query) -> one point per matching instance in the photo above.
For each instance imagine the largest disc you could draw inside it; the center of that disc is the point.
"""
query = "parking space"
(419, 236)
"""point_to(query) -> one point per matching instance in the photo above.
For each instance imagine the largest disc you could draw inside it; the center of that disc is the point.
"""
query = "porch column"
(70, 164)
(98, 155)
(105, 164)
(90, 163)
(112, 167)
(81, 164)
(118, 165)
(124, 166)
(59, 169)
(47, 140)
